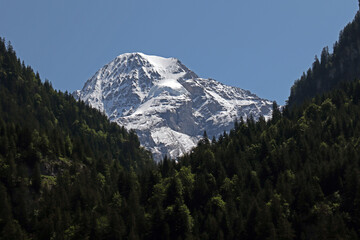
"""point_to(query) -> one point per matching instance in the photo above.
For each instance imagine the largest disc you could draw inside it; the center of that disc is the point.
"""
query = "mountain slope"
(67, 173)
(169, 105)
(331, 69)
(61, 161)
(296, 176)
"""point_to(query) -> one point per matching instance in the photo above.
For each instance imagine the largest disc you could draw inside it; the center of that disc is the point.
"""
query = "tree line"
(67, 172)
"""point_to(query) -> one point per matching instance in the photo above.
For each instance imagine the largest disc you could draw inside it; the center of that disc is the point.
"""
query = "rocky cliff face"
(166, 103)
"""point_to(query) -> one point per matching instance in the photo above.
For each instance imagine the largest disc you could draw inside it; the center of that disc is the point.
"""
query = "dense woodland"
(343, 64)
(61, 162)
(66, 172)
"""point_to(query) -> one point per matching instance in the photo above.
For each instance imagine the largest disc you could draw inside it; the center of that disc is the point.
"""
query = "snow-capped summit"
(166, 103)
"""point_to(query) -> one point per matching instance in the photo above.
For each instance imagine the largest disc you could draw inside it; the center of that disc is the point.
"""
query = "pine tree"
(5, 210)
(36, 178)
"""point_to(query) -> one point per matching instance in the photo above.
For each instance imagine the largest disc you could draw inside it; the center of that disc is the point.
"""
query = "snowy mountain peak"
(132, 62)
(168, 104)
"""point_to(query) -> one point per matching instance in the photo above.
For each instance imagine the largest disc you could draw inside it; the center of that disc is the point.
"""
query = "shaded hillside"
(66, 172)
(295, 177)
(60, 161)
(331, 69)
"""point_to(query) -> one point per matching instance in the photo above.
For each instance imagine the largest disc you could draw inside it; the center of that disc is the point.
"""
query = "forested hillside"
(331, 69)
(66, 172)
(295, 177)
(61, 162)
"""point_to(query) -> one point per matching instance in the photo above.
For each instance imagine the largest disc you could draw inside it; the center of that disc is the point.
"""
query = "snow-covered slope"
(166, 103)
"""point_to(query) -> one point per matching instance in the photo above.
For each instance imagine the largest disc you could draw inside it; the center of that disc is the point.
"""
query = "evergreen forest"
(67, 172)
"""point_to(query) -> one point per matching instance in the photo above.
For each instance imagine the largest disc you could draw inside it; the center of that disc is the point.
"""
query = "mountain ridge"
(331, 69)
(168, 105)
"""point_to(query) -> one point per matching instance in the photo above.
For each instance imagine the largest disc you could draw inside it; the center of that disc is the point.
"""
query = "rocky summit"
(167, 104)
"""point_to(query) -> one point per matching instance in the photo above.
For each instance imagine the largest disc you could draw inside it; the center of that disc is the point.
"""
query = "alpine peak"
(166, 103)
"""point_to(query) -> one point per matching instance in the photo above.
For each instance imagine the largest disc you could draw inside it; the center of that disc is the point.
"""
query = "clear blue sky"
(261, 46)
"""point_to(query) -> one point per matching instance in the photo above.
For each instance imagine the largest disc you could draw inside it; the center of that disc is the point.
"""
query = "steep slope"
(58, 155)
(169, 105)
(296, 176)
(331, 69)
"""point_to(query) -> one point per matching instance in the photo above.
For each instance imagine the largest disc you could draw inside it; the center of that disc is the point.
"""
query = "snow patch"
(168, 104)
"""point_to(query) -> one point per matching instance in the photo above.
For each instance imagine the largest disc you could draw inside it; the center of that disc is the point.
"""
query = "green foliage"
(61, 162)
(66, 172)
(326, 74)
